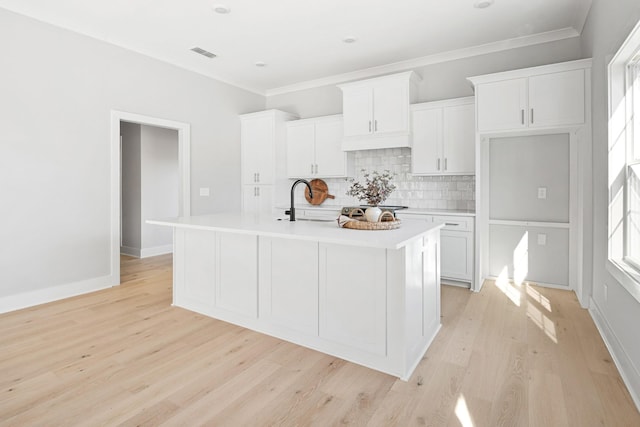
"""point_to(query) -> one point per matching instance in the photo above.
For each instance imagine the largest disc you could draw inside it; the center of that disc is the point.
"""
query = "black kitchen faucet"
(292, 211)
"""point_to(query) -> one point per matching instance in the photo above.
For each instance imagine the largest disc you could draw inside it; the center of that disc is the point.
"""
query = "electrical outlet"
(204, 191)
(542, 239)
(542, 192)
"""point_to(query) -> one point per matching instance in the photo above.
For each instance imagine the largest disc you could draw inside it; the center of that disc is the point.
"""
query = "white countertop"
(319, 231)
(421, 211)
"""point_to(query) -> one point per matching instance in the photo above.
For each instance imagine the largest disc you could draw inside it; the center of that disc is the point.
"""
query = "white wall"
(439, 81)
(57, 91)
(608, 25)
(160, 182)
(131, 189)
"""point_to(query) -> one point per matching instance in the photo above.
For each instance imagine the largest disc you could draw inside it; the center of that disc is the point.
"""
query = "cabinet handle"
(438, 164)
(311, 168)
(451, 224)
(369, 125)
(445, 163)
(375, 126)
(532, 116)
(258, 177)
(316, 168)
(258, 191)
(522, 116)
(255, 191)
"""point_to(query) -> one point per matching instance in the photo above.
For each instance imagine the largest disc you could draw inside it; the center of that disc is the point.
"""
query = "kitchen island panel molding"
(289, 284)
(353, 297)
(318, 286)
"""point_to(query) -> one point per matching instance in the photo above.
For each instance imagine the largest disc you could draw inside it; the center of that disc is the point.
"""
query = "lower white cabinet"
(208, 274)
(257, 198)
(353, 299)
(456, 252)
(456, 245)
(237, 283)
(289, 284)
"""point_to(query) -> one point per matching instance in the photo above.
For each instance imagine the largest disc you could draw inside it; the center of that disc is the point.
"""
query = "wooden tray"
(384, 223)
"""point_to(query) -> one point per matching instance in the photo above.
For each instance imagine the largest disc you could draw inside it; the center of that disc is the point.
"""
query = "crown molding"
(534, 39)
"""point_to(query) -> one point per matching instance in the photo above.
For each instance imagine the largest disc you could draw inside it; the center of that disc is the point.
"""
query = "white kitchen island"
(370, 297)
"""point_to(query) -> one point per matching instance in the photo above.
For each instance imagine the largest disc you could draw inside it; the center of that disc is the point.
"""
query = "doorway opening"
(121, 222)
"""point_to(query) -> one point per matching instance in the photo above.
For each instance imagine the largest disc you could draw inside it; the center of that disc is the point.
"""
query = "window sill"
(626, 276)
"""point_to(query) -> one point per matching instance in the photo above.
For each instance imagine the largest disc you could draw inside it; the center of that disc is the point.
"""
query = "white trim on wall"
(156, 250)
(55, 293)
(518, 42)
(184, 166)
(623, 362)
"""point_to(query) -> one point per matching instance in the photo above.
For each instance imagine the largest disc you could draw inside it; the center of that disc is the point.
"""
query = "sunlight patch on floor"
(545, 324)
(539, 298)
(462, 412)
(510, 290)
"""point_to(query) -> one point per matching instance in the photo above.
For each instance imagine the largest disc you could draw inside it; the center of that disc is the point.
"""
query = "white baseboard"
(157, 250)
(42, 296)
(628, 371)
(128, 250)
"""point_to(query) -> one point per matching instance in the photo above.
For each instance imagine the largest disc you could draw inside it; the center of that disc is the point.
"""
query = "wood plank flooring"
(508, 356)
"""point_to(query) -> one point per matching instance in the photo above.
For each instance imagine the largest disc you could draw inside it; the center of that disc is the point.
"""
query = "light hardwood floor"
(505, 357)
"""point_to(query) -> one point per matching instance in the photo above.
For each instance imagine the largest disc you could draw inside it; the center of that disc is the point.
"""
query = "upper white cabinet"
(314, 149)
(443, 137)
(376, 111)
(263, 158)
(540, 97)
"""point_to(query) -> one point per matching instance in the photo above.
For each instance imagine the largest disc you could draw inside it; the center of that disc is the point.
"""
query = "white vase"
(373, 213)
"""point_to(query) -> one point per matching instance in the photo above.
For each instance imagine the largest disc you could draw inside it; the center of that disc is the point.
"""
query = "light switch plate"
(542, 192)
(204, 191)
(542, 239)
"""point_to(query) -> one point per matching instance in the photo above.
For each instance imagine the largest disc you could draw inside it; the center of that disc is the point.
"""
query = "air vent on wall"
(203, 52)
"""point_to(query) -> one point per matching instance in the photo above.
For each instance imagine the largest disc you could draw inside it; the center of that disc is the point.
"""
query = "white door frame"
(184, 170)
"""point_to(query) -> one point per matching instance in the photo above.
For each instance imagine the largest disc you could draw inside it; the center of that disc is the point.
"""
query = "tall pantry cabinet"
(263, 159)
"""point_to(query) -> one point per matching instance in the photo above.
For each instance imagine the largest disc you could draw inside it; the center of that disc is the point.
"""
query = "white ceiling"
(301, 40)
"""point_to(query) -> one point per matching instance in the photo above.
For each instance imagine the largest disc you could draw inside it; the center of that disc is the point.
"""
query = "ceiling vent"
(203, 52)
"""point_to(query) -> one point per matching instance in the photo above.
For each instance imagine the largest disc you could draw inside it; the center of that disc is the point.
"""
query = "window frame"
(624, 100)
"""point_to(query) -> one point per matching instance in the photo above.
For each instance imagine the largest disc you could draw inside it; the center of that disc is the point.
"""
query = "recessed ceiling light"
(482, 4)
(349, 39)
(221, 9)
(260, 64)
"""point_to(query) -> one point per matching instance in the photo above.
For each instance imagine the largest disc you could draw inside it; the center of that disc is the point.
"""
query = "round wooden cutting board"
(320, 192)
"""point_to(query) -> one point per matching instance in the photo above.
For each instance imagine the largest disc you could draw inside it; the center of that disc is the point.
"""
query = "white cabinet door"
(257, 135)
(195, 286)
(257, 199)
(353, 297)
(300, 150)
(502, 105)
(459, 139)
(455, 258)
(237, 273)
(391, 107)
(556, 99)
(289, 284)
(427, 141)
(357, 111)
(330, 160)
